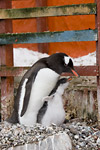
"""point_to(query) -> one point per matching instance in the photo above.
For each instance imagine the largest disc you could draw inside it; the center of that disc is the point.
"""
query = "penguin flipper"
(47, 98)
(13, 118)
(27, 95)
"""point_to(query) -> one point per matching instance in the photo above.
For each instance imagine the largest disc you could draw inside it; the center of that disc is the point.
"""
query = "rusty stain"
(16, 40)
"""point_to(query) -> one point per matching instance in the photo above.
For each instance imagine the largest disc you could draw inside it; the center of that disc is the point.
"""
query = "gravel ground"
(83, 137)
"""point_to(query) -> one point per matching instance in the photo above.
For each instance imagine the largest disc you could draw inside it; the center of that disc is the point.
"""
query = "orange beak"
(75, 73)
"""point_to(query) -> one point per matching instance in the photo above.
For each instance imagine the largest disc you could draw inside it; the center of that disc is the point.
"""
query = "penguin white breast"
(41, 87)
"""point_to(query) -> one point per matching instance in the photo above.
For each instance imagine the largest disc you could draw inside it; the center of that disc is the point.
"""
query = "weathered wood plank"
(80, 9)
(6, 58)
(18, 71)
(12, 71)
(98, 58)
(42, 25)
(47, 37)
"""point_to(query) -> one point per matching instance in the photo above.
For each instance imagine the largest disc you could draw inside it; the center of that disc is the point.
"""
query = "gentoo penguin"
(52, 110)
(37, 83)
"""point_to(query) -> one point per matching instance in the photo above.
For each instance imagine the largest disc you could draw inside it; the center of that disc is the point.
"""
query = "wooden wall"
(74, 49)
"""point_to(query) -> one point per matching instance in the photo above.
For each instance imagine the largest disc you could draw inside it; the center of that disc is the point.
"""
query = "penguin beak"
(71, 71)
(75, 73)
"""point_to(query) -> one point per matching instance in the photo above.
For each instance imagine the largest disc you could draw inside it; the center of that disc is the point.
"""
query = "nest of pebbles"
(83, 137)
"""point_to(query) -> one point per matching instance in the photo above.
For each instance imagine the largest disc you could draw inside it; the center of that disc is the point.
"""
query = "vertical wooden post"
(98, 58)
(42, 25)
(6, 59)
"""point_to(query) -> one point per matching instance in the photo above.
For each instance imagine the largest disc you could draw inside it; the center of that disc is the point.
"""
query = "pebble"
(83, 137)
(76, 137)
(82, 144)
(73, 130)
(98, 141)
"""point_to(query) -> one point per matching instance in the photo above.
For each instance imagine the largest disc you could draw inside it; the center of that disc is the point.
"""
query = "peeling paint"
(81, 9)
(48, 37)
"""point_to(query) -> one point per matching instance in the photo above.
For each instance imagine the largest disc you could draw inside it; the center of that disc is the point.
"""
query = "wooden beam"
(66, 10)
(98, 58)
(18, 71)
(47, 37)
(6, 59)
(42, 25)
(13, 71)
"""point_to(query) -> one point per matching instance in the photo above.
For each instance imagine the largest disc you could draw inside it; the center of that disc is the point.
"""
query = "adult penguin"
(37, 83)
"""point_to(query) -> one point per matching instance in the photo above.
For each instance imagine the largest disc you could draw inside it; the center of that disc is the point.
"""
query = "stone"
(59, 141)
(73, 130)
(98, 141)
(82, 144)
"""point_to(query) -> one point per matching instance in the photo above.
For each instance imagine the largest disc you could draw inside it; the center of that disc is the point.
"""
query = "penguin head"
(61, 63)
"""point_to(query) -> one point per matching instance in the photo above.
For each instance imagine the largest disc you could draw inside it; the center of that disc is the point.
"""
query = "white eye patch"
(66, 60)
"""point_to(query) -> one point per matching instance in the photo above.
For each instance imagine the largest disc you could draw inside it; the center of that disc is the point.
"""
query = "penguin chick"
(53, 109)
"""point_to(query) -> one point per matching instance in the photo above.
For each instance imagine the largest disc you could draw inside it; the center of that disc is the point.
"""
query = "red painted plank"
(19, 71)
(87, 70)
(12, 71)
(6, 58)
